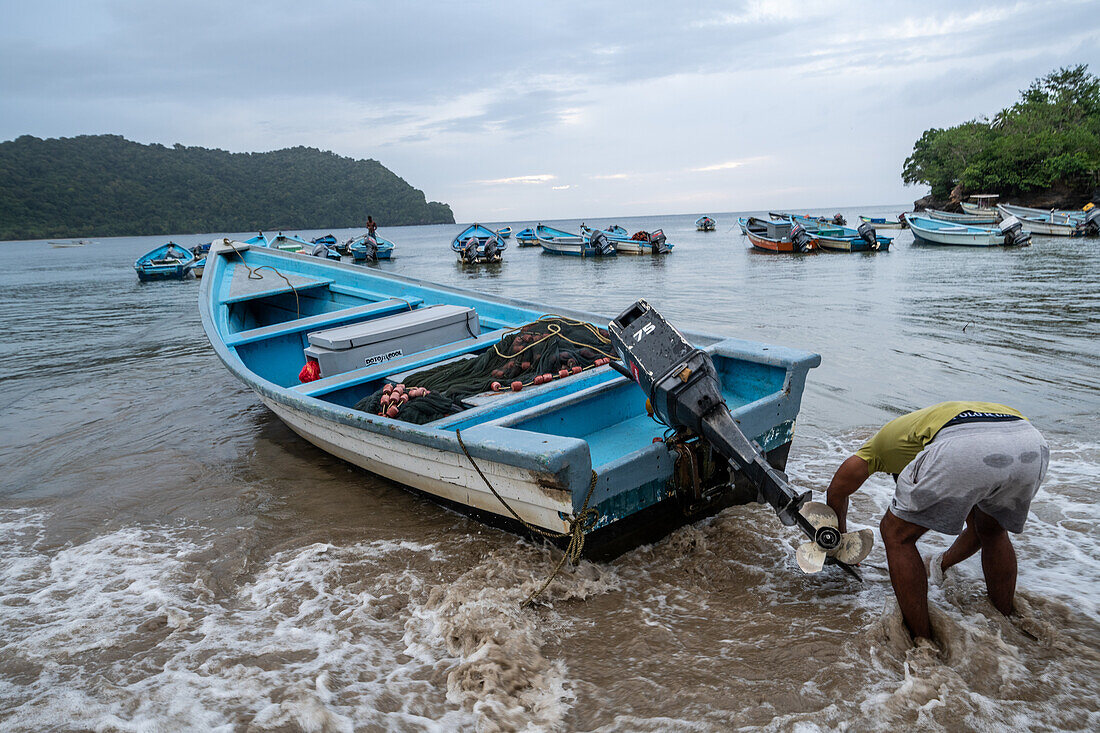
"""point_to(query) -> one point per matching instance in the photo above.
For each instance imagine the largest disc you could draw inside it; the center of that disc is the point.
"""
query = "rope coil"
(583, 521)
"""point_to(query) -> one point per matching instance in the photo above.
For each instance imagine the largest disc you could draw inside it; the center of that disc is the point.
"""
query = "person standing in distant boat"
(372, 227)
(978, 463)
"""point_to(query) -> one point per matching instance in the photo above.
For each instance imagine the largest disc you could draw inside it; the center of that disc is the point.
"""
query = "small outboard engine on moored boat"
(839, 219)
(1014, 233)
(1090, 227)
(801, 240)
(469, 250)
(868, 234)
(657, 239)
(492, 249)
(370, 246)
(601, 244)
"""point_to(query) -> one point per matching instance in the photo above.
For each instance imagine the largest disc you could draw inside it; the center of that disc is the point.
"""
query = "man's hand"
(846, 481)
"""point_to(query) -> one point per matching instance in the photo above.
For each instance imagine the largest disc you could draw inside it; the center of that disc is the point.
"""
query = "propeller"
(849, 548)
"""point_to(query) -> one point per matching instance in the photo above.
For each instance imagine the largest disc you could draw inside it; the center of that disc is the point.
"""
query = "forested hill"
(1043, 151)
(105, 185)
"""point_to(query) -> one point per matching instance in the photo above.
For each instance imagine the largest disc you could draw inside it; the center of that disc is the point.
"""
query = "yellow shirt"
(900, 440)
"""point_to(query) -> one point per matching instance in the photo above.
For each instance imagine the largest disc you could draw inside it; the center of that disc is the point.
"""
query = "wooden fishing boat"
(968, 219)
(705, 224)
(640, 243)
(847, 239)
(360, 248)
(936, 231)
(1049, 223)
(288, 243)
(880, 222)
(778, 235)
(981, 204)
(526, 238)
(199, 267)
(1058, 215)
(477, 245)
(558, 242)
(169, 261)
(504, 232)
(571, 446)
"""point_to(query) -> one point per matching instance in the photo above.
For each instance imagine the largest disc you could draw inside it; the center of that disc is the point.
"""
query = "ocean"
(172, 557)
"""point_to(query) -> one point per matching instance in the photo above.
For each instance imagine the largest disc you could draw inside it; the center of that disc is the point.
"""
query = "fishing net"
(550, 348)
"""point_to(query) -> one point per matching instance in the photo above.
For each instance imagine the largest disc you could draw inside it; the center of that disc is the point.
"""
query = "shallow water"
(173, 557)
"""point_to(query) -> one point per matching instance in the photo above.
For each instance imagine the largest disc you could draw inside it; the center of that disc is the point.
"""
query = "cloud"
(561, 188)
(539, 178)
(611, 177)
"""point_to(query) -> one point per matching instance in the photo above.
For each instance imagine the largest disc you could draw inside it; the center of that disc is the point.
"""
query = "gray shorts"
(995, 466)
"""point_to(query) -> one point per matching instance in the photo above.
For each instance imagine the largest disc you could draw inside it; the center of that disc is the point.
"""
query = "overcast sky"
(546, 109)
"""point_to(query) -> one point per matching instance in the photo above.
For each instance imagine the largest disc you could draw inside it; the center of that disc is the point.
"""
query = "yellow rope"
(578, 525)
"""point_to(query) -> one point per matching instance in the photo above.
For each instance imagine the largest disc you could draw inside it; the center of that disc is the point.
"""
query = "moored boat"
(169, 261)
(199, 267)
(575, 450)
(881, 222)
(640, 243)
(705, 224)
(365, 248)
(981, 204)
(1050, 223)
(970, 219)
(288, 243)
(935, 231)
(778, 235)
(559, 242)
(864, 238)
(526, 238)
(68, 243)
(504, 232)
(477, 244)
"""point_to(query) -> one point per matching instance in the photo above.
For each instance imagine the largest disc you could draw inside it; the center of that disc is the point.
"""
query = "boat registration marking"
(379, 358)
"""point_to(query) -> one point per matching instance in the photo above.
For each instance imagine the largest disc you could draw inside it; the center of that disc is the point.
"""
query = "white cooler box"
(342, 349)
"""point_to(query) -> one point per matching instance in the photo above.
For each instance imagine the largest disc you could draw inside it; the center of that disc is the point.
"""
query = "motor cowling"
(1090, 227)
(601, 244)
(1014, 233)
(492, 248)
(370, 246)
(469, 251)
(839, 219)
(801, 239)
(658, 242)
(867, 233)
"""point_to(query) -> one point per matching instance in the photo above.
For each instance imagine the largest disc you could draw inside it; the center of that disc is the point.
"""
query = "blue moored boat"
(360, 248)
(527, 238)
(477, 244)
(642, 243)
(573, 442)
(504, 232)
(558, 242)
(169, 261)
(288, 243)
(937, 231)
(705, 224)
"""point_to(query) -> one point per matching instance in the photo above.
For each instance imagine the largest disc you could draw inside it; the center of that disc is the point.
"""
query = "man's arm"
(847, 479)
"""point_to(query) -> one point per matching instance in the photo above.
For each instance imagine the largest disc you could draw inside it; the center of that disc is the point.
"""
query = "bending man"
(977, 463)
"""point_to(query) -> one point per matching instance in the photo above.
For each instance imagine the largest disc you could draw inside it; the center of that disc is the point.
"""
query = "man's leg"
(907, 573)
(964, 546)
(998, 561)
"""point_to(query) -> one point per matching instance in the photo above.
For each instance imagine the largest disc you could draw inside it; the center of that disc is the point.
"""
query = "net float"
(577, 370)
(495, 386)
(391, 411)
(517, 386)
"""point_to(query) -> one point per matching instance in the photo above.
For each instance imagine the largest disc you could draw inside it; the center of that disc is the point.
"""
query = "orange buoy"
(517, 386)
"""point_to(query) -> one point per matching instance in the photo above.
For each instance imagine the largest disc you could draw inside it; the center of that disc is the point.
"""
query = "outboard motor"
(601, 244)
(684, 392)
(1014, 233)
(868, 234)
(801, 239)
(319, 250)
(469, 251)
(370, 246)
(492, 251)
(1090, 227)
(839, 219)
(657, 239)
